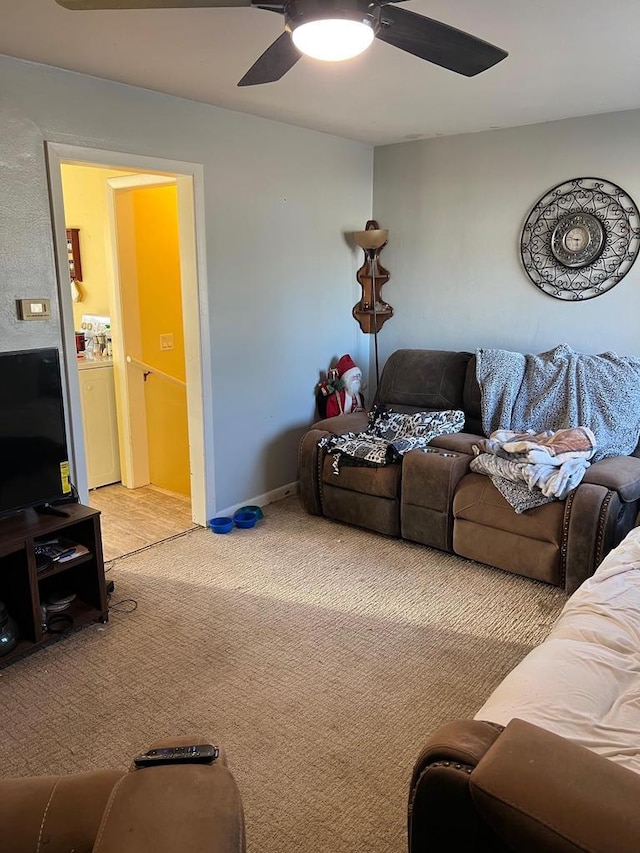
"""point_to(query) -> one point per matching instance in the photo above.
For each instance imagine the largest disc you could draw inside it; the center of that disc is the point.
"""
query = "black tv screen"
(34, 466)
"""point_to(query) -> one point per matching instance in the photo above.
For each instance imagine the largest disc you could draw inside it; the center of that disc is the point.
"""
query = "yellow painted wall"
(160, 304)
(84, 191)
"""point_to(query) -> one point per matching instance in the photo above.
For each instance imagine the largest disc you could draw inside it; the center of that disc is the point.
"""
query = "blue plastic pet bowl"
(245, 519)
(222, 524)
(255, 509)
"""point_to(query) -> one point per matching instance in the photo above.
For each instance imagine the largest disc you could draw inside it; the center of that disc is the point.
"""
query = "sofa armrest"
(457, 442)
(429, 483)
(310, 456)
(462, 741)
(54, 812)
(353, 422)
(539, 791)
(173, 807)
(521, 789)
(620, 474)
(440, 806)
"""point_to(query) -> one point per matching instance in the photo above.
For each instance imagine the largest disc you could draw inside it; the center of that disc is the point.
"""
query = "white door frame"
(130, 397)
(190, 184)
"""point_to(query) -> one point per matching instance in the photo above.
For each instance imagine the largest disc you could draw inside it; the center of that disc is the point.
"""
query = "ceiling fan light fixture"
(333, 39)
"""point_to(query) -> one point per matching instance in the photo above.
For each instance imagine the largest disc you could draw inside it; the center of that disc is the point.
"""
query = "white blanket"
(583, 682)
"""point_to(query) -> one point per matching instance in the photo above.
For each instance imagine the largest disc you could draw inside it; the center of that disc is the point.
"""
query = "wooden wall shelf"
(371, 277)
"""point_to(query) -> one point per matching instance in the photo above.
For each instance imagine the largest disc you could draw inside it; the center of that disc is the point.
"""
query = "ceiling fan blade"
(274, 63)
(78, 5)
(437, 42)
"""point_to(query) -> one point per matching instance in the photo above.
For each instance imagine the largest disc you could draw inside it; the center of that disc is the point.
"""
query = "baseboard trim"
(264, 499)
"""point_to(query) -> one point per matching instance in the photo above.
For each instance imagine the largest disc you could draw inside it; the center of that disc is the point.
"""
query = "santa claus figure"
(348, 398)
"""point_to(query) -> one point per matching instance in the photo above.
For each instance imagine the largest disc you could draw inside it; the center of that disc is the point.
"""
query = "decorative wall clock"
(580, 238)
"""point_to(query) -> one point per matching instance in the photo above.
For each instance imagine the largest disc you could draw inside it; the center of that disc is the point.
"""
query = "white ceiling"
(566, 58)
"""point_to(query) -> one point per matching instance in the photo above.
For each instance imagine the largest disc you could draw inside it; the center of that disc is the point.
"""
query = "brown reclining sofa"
(433, 498)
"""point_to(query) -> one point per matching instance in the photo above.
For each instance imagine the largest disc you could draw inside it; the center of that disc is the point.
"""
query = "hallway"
(134, 518)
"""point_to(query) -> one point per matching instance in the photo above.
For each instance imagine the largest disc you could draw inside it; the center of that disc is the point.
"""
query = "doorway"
(158, 373)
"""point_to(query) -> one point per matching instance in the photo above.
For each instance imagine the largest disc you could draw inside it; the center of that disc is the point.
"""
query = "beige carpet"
(319, 655)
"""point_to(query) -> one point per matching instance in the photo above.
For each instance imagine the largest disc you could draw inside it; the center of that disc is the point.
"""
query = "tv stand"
(47, 509)
(24, 589)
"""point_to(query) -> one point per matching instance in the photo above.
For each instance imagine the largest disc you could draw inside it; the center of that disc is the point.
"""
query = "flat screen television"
(34, 463)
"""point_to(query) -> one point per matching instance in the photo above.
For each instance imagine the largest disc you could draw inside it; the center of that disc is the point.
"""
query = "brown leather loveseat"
(433, 498)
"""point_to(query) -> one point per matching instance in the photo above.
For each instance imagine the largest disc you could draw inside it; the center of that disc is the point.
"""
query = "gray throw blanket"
(560, 389)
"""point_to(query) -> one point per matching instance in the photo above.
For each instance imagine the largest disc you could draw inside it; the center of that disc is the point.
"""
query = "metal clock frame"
(618, 216)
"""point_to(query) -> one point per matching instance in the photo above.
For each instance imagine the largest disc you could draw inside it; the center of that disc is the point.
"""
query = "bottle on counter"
(88, 345)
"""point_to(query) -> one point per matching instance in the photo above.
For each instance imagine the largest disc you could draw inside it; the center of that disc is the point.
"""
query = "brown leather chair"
(479, 788)
(176, 807)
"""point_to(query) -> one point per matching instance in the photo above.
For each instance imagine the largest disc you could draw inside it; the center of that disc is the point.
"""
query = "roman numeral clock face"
(580, 239)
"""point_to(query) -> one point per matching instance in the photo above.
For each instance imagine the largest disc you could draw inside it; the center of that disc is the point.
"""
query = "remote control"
(204, 753)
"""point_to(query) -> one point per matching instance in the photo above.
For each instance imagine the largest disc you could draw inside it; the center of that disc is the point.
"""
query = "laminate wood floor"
(134, 518)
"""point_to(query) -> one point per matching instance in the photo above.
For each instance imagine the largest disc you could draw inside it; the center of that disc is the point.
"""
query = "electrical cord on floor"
(128, 605)
(125, 605)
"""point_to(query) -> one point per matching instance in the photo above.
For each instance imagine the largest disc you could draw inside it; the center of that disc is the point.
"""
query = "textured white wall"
(455, 207)
(281, 276)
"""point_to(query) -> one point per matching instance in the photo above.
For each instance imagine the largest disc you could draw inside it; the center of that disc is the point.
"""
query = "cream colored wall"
(160, 311)
(85, 207)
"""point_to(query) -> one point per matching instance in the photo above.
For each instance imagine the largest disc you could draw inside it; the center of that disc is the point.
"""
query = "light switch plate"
(34, 309)
(166, 341)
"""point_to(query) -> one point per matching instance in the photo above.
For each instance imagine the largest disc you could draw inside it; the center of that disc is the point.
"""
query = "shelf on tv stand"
(22, 587)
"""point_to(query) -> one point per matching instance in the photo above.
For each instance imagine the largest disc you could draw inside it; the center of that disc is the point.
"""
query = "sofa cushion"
(511, 552)
(423, 379)
(383, 482)
(487, 529)
(478, 500)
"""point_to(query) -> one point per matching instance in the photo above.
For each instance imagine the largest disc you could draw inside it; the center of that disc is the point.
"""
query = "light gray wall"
(455, 208)
(281, 275)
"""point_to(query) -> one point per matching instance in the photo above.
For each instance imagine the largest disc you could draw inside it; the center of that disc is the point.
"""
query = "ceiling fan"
(336, 30)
